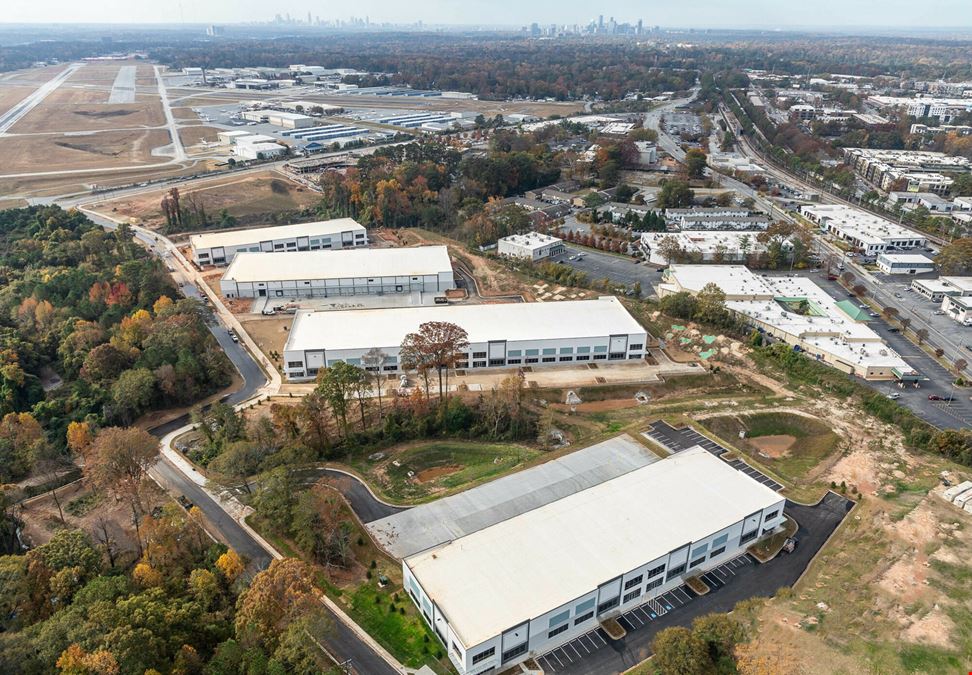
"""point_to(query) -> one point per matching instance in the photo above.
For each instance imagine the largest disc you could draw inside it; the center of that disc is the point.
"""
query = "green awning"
(910, 376)
(853, 311)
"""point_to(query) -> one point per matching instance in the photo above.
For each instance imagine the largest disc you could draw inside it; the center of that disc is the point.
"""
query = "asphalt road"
(816, 524)
(365, 505)
(938, 381)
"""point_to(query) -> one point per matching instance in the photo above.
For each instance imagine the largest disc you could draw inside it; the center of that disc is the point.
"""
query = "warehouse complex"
(500, 335)
(529, 583)
(219, 248)
(797, 311)
(323, 273)
(702, 246)
(865, 231)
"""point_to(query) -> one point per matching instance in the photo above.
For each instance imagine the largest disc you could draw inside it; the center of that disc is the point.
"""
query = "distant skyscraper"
(600, 22)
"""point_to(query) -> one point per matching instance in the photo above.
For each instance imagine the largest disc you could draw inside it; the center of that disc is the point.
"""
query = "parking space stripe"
(554, 654)
(718, 572)
(548, 667)
(682, 590)
(571, 644)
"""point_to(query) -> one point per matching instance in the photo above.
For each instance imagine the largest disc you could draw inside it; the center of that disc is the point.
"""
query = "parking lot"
(738, 579)
(677, 440)
(625, 272)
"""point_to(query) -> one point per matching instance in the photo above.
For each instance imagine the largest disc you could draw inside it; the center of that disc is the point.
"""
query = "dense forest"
(91, 330)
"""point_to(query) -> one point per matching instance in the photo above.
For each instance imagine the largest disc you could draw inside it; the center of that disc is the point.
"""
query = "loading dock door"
(497, 350)
(619, 343)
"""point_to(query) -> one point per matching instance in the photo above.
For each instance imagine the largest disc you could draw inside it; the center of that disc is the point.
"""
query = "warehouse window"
(634, 347)
(514, 352)
(295, 364)
(462, 364)
(617, 355)
(633, 581)
(566, 358)
(697, 562)
(455, 648)
(514, 652)
(600, 349)
(699, 550)
(479, 355)
(583, 617)
(549, 359)
(566, 350)
(600, 357)
(479, 364)
(278, 247)
(497, 362)
(583, 350)
(558, 619)
(634, 357)
(584, 606)
(654, 584)
(656, 570)
(533, 352)
(482, 656)
(606, 605)
(675, 571)
(632, 595)
(391, 367)
(771, 515)
(514, 362)
(749, 536)
(558, 630)
(297, 373)
(533, 360)
(717, 551)
(550, 350)
(721, 539)
(583, 358)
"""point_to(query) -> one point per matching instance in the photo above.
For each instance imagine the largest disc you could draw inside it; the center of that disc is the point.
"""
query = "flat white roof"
(525, 566)
(825, 327)
(339, 264)
(257, 234)
(531, 240)
(934, 285)
(963, 284)
(905, 258)
(861, 225)
(508, 321)
(734, 280)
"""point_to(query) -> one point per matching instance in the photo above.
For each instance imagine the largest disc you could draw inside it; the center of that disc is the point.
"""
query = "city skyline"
(697, 13)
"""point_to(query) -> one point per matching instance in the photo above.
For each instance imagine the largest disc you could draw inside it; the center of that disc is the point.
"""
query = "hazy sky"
(955, 14)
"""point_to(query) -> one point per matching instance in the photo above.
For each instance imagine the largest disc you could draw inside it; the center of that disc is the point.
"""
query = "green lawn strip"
(397, 626)
(814, 440)
(473, 463)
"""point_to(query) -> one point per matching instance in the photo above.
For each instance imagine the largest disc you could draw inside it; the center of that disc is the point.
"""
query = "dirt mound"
(773, 446)
(430, 474)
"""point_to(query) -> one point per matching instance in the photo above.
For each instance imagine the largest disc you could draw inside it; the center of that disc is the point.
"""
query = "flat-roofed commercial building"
(285, 120)
(219, 248)
(796, 311)
(936, 289)
(529, 583)
(324, 274)
(905, 263)
(865, 231)
(500, 335)
(532, 246)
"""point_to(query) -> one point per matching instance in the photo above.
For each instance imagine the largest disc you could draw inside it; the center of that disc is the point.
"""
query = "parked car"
(268, 311)
(789, 546)
(934, 397)
(969, 347)
(893, 330)
(897, 295)
(938, 312)
(184, 502)
(894, 396)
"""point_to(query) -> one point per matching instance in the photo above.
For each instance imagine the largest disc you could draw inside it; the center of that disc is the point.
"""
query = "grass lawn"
(441, 467)
(791, 445)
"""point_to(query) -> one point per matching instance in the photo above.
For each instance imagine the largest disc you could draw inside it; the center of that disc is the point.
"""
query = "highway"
(16, 113)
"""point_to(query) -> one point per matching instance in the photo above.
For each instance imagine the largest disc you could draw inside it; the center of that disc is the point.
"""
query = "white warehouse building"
(532, 246)
(500, 335)
(219, 248)
(324, 274)
(532, 582)
(865, 231)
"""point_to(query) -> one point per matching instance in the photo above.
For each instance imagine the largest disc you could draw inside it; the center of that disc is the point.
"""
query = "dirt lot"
(41, 517)
(184, 114)
(270, 333)
(56, 114)
(94, 151)
(242, 196)
(193, 135)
